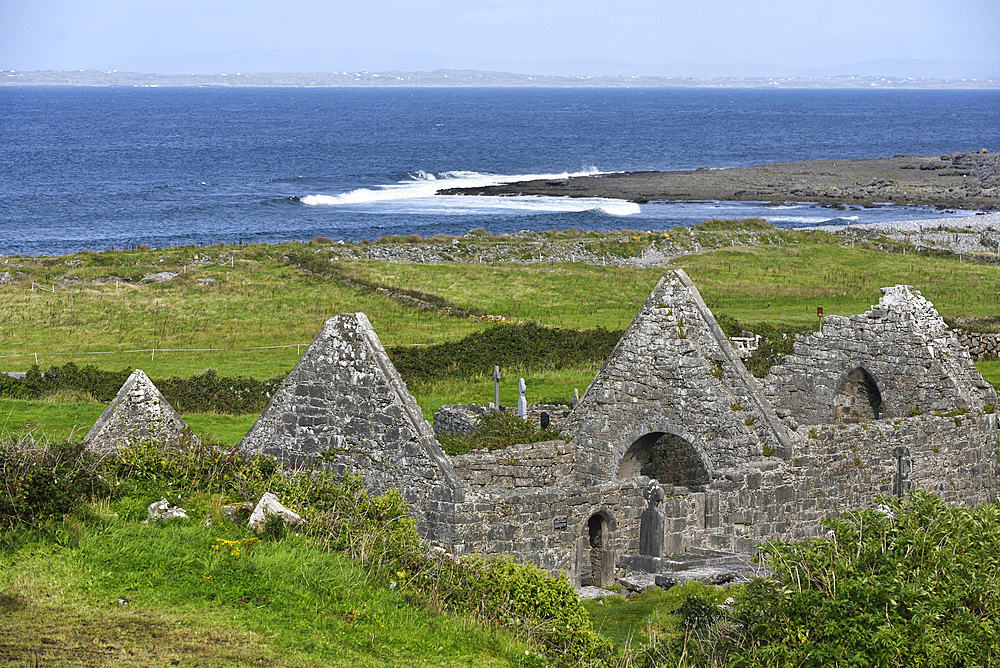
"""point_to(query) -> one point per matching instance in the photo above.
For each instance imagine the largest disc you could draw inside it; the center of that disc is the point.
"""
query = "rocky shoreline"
(966, 180)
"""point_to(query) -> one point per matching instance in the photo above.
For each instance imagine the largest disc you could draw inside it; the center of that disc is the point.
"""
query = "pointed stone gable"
(137, 413)
(897, 357)
(675, 381)
(345, 402)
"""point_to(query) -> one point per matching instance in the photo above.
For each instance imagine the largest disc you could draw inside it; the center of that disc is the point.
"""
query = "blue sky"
(162, 35)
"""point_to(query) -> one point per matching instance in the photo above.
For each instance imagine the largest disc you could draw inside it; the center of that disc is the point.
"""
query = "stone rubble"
(162, 510)
(269, 505)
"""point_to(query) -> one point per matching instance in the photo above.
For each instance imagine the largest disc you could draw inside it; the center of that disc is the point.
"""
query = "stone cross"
(522, 404)
(576, 398)
(496, 387)
(652, 522)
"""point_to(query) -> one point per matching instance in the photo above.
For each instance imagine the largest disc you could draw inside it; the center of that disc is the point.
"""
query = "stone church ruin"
(674, 447)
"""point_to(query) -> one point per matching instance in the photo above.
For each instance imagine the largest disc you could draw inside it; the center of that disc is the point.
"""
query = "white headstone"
(522, 403)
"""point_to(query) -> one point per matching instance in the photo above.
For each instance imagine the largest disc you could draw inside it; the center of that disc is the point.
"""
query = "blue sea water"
(117, 167)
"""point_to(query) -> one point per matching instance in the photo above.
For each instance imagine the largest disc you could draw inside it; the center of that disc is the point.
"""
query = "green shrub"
(497, 430)
(45, 481)
(913, 585)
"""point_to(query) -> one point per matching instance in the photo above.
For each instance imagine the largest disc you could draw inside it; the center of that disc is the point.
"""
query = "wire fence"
(152, 351)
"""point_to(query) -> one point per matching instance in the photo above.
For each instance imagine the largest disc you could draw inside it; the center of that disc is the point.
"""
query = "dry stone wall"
(345, 404)
(981, 346)
(898, 356)
(463, 419)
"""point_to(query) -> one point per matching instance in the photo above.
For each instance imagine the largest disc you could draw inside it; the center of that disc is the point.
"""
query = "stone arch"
(666, 457)
(595, 554)
(858, 397)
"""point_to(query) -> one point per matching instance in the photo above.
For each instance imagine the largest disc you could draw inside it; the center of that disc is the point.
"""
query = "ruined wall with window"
(835, 468)
(898, 358)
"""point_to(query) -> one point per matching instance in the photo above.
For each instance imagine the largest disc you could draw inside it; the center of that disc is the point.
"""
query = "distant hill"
(382, 60)
(477, 78)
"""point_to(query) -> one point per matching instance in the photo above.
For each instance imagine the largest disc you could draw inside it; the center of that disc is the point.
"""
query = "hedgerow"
(529, 345)
(39, 482)
(207, 392)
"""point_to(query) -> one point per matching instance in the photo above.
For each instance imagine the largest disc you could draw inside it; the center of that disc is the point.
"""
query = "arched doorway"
(667, 458)
(858, 398)
(595, 552)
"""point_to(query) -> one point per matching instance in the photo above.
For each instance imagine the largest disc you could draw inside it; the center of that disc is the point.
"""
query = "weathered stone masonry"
(673, 403)
(344, 400)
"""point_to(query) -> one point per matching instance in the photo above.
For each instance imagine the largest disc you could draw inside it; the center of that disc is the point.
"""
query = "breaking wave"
(418, 194)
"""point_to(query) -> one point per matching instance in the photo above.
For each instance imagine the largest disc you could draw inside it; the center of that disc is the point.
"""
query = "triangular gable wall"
(673, 372)
(137, 412)
(345, 402)
(902, 344)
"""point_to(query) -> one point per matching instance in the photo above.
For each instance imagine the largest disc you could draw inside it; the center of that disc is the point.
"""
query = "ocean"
(97, 168)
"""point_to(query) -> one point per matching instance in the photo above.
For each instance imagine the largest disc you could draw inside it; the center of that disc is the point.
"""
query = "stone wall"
(673, 372)
(981, 346)
(835, 469)
(551, 527)
(462, 419)
(544, 465)
(345, 403)
(458, 419)
(896, 357)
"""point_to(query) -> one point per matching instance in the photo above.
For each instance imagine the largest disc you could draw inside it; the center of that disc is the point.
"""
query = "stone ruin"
(674, 448)
(138, 412)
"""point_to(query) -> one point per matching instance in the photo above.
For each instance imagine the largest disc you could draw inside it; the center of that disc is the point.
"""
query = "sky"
(185, 36)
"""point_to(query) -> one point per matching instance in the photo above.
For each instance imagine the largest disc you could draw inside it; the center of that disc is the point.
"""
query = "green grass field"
(264, 307)
(111, 592)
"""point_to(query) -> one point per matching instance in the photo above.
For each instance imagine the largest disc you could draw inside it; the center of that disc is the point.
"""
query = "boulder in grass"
(162, 510)
(269, 505)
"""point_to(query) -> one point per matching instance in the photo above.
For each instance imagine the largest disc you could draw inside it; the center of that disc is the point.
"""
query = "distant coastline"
(469, 79)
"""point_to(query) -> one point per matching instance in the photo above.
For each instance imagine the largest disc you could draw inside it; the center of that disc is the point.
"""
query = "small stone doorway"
(595, 556)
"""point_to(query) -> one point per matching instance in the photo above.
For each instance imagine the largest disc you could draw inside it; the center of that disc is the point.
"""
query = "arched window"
(858, 398)
(667, 458)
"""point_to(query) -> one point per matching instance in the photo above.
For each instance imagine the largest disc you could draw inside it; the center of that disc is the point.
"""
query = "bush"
(497, 430)
(42, 482)
(913, 584)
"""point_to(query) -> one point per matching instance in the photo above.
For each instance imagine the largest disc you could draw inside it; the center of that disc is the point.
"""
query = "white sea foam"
(418, 194)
